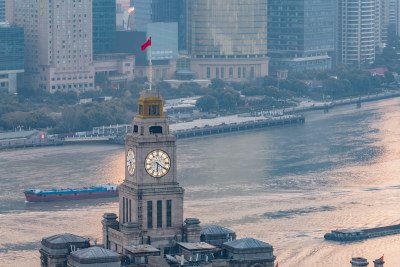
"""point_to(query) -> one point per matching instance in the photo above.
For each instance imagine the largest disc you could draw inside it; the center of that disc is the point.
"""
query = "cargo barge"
(38, 195)
(349, 235)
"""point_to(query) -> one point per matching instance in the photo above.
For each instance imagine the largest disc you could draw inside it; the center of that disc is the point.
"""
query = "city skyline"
(224, 40)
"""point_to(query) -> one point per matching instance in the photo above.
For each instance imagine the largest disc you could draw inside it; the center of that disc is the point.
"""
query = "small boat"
(348, 235)
(39, 195)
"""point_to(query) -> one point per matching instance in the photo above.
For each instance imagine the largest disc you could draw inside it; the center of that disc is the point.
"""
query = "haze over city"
(215, 133)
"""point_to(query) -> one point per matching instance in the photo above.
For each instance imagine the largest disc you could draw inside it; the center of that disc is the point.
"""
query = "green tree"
(207, 103)
(12, 120)
(217, 84)
(70, 120)
(389, 78)
(39, 119)
(229, 99)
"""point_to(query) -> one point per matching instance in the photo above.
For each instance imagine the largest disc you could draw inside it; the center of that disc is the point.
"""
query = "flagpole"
(151, 70)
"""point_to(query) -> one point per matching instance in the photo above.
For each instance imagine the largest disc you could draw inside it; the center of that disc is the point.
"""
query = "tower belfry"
(150, 198)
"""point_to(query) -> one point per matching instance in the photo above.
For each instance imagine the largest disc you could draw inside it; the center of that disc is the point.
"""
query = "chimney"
(357, 262)
(378, 262)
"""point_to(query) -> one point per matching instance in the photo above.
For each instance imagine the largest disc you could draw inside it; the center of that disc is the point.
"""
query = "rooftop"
(63, 241)
(95, 255)
(247, 243)
(15, 135)
(139, 249)
(215, 230)
(196, 246)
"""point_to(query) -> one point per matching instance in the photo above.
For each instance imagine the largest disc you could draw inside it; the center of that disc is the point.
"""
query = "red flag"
(146, 44)
(276, 264)
(381, 258)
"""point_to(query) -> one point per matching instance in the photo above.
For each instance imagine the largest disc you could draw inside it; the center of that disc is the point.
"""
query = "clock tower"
(150, 196)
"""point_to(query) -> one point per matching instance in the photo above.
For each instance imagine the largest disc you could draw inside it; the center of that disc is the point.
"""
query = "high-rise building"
(394, 17)
(356, 32)
(104, 26)
(9, 11)
(142, 15)
(58, 44)
(165, 10)
(2, 10)
(228, 39)
(148, 11)
(300, 34)
(172, 11)
(381, 23)
(11, 56)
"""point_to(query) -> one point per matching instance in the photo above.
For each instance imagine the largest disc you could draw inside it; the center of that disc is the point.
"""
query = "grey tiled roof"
(215, 230)
(63, 240)
(95, 255)
(247, 243)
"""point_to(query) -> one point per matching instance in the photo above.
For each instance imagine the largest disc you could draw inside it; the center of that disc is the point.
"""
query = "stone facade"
(153, 202)
(58, 48)
(151, 205)
(54, 249)
(150, 230)
(233, 70)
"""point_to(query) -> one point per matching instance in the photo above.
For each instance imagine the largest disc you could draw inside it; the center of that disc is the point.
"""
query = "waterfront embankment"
(201, 127)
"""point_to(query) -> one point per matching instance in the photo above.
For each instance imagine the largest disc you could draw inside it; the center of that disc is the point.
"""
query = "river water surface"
(287, 186)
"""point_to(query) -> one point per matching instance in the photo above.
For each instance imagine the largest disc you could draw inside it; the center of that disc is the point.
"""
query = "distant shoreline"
(192, 129)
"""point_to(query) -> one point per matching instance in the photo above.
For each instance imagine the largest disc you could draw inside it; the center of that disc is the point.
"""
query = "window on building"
(135, 129)
(230, 72)
(252, 72)
(239, 72)
(244, 72)
(155, 130)
(222, 73)
(155, 110)
(130, 210)
(208, 73)
(149, 214)
(127, 210)
(159, 213)
(123, 210)
(217, 73)
(169, 219)
(141, 109)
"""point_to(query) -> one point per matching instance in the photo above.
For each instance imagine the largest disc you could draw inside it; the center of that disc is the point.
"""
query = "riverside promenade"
(308, 105)
(201, 127)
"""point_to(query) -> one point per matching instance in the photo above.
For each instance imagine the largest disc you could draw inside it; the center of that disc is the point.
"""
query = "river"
(284, 185)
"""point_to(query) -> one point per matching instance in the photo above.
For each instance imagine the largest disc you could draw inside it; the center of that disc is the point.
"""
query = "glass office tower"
(228, 39)
(300, 34)
(11, 56)
(2, 10)
(228, 28)
(104, 26)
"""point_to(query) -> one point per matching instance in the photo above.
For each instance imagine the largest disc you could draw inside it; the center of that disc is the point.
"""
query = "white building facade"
(381, 23)
(356, 32)
(58, 44)
(394, 17)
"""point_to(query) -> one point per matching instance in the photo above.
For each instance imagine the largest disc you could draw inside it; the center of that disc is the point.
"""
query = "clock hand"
(158, 164)
(162, 166)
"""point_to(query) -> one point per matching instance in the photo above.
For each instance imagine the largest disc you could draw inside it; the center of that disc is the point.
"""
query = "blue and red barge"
(38, 195)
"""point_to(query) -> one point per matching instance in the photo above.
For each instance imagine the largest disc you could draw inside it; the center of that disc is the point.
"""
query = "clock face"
(130, 162)
(157, 163)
